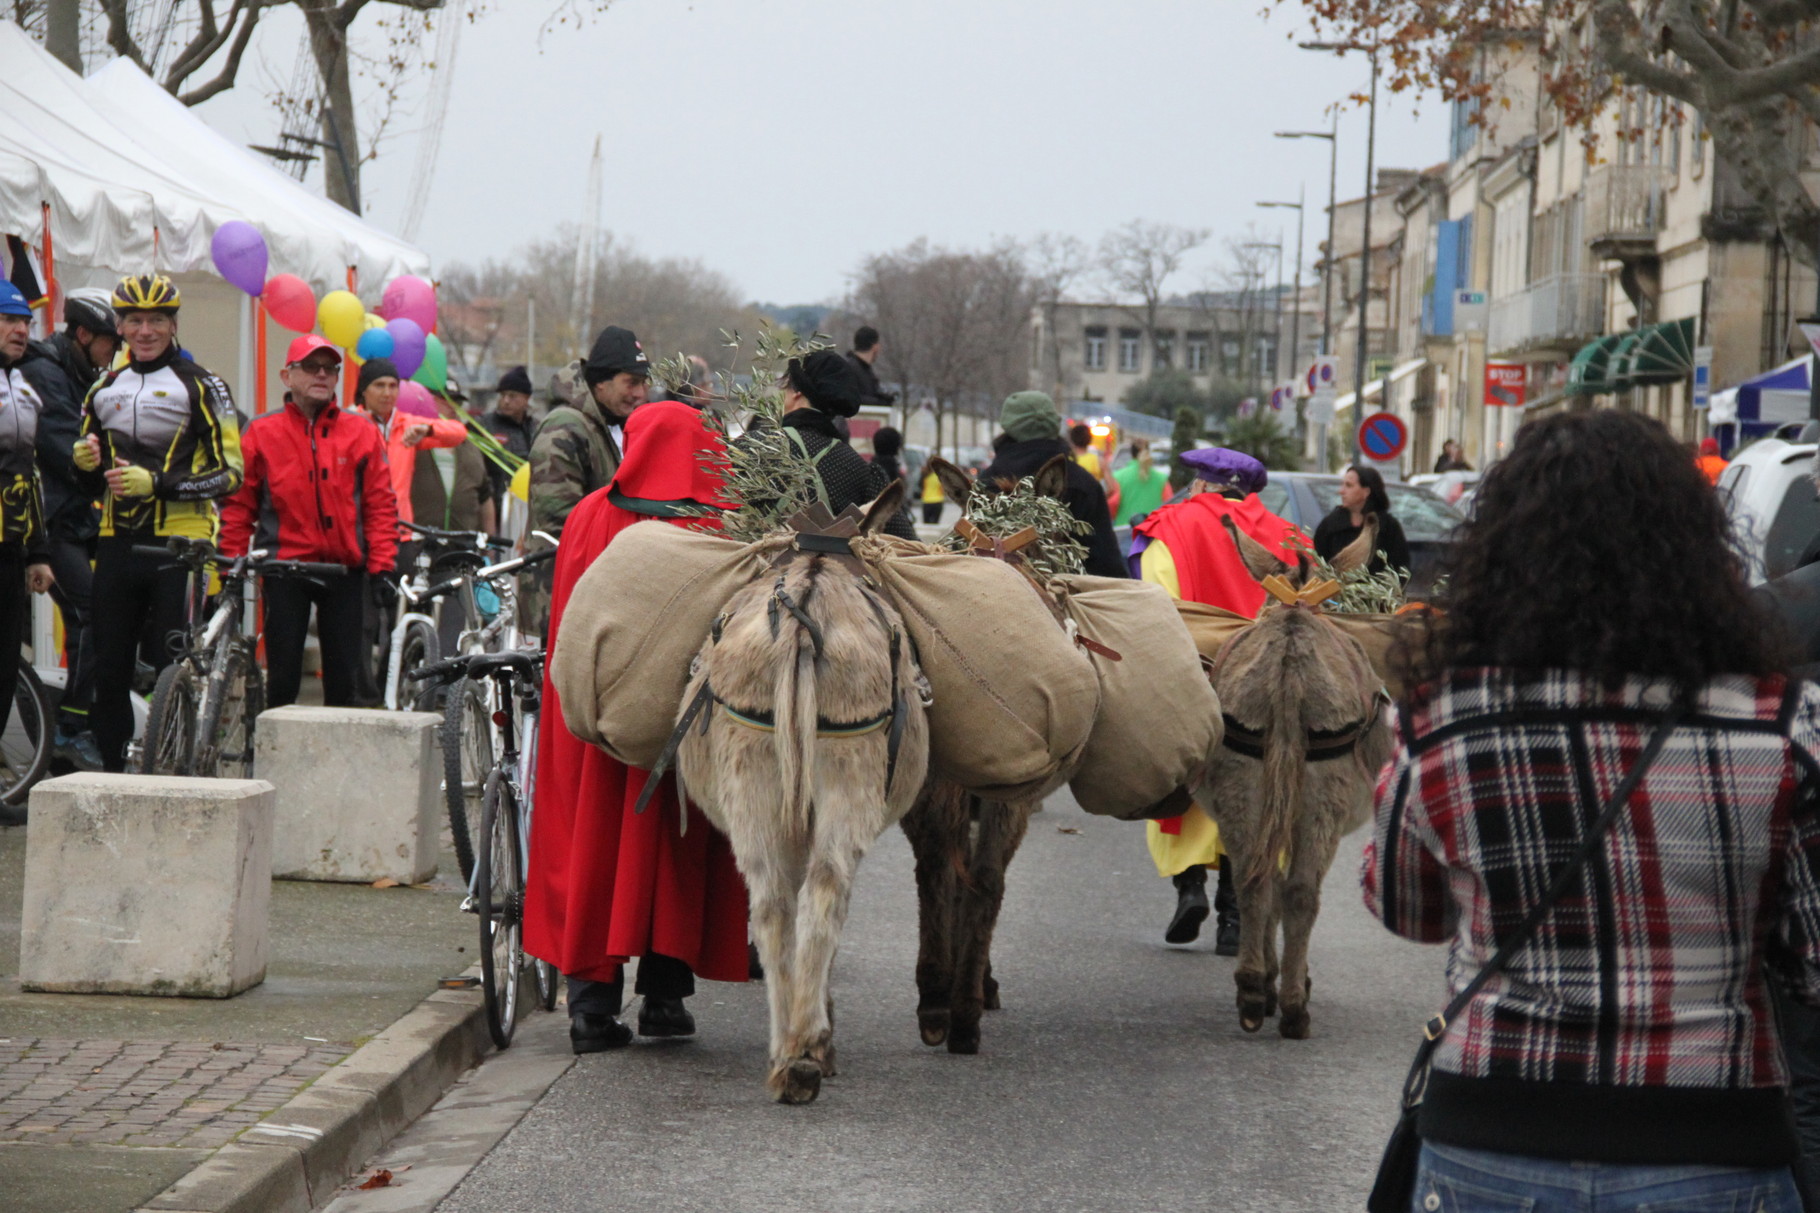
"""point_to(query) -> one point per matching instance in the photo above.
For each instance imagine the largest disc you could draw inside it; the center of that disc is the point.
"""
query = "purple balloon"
(240, 254)
(407, 345)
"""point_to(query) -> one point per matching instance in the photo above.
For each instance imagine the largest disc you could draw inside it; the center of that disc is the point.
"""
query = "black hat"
(515, 380)
(828, 381)
(615, 350)
(371, 369)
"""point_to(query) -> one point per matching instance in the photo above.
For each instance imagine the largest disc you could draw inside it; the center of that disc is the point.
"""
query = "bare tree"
(1056, 262)
(1140, 258)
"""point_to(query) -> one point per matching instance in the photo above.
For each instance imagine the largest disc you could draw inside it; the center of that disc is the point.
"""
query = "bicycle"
(415, 640)
(496, 887)
(27, 741)
(207, 700)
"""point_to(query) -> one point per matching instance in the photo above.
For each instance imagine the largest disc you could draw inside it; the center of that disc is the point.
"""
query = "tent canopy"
(1763, 402)
(1590, 371)
(134, 180)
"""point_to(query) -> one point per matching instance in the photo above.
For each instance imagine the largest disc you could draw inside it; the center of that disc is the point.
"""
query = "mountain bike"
(415, 638)
(207, 700)
(27, 740)
(496, 890)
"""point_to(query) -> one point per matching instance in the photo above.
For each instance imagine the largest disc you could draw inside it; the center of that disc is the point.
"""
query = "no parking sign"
(1382, 437)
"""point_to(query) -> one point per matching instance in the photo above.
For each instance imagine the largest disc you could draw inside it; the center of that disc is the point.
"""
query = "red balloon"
(291, 302)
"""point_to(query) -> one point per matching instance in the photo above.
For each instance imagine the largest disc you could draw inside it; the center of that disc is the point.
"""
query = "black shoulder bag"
(1396, 1181)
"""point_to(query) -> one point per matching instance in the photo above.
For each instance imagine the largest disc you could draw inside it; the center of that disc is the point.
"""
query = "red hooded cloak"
(607, 884)
(1206, 562)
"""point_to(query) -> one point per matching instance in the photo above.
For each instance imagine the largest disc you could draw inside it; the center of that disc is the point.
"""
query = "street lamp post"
(1371, 151)
(1295, 317)
(1333, 176)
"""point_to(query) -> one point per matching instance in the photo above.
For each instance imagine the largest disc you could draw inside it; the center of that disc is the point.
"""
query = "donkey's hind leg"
(937, 829)
(1314, 853)
(1000, 829)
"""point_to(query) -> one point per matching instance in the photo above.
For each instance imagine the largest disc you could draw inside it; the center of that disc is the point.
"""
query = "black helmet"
(92, 309)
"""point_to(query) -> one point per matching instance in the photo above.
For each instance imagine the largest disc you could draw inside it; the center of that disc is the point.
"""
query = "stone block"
(147, 884)
(359, 793)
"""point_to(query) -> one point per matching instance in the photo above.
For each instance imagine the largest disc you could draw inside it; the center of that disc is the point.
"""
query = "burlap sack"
(1159, 719)
(1379, 635)
(1015, 698)
(1209, 626)
(632, 626)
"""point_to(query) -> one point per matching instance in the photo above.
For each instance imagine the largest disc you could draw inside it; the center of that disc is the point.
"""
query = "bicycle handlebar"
(472, 538)
(523, 662)
(516, 563)
(197, 552)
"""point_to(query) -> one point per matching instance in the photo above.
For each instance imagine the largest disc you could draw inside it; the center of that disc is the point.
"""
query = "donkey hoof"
(1270, 1003)
(1252, 1013)
(989, 995)
(1294, 1024)
(964, 1039)
(933, 1025)
(801, 1082)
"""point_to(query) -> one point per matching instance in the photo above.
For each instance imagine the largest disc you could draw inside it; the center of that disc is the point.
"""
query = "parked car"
(1770, 498)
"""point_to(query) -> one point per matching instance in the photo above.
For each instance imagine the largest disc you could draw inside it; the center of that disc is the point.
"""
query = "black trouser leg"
(664, 977)
(287, 625)
(597, 997)
(72, 565)
(134, 596)
(1799, 1027)
(339, 605)
(932, 512)
(375, 622)
(15, 609)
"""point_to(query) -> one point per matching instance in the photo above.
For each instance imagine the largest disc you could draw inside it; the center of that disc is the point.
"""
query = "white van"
(1770, 498)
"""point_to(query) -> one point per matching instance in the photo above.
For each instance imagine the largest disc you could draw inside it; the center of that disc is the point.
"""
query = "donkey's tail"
(795, 715)
(1285, 772)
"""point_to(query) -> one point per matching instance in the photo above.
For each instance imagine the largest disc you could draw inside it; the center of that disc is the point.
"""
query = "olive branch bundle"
(1057, 550)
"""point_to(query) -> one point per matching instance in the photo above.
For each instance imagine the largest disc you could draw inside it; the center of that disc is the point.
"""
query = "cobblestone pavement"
(126, 1093)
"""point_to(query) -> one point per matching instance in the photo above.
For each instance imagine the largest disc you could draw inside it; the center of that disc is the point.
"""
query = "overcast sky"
(782, 141)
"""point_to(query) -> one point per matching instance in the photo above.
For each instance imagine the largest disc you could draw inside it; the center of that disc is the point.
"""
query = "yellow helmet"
(146, 293)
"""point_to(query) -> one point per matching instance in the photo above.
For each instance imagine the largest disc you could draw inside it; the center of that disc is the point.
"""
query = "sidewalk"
(106, 1101)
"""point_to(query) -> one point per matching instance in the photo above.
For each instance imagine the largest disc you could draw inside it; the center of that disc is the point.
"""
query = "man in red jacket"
(316, 489)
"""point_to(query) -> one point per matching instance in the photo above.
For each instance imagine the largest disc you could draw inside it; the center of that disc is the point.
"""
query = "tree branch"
(224, 79)
(119, 36)
(209, 39)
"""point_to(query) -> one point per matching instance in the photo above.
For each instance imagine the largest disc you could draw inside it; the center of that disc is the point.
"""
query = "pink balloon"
(240, 255)
(415, 399)
(408, 343)
(289, 301)
(409, 297)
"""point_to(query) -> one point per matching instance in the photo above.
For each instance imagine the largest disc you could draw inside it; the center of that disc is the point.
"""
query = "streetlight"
(1371, 151)
(1295, 321)
(1276, 354)
(1333, 165)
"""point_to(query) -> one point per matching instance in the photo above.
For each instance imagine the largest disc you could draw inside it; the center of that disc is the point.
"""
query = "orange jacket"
(402, 459)
(1711, 466)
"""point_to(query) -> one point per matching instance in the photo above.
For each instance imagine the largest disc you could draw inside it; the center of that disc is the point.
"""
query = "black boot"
(665, 1017)
(594, 1006)
(1190, 906)
(1226, 907)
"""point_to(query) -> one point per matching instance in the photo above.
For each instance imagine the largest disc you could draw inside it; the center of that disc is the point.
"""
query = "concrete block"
(147, 884)
(359, 793)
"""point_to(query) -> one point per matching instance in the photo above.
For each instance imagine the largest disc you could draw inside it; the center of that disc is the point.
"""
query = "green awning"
(1620, 364)
(1664, 353)
(1588, 374)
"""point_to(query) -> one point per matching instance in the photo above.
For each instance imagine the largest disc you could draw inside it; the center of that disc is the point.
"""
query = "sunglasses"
(318, 368)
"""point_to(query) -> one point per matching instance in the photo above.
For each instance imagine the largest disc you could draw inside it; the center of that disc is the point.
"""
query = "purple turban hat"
(1227, 468)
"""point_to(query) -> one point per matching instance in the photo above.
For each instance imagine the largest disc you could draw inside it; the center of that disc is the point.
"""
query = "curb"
(297, 1157)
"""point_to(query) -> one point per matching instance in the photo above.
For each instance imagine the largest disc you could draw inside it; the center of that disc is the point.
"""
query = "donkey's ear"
(1259, 561)
(1051, 479)
(889, 502)
(957, 486)
(1358, 553)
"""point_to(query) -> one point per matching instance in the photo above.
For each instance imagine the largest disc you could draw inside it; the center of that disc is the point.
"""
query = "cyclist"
(161, 445)
(63, 367)
(316, 489)
(24, 561)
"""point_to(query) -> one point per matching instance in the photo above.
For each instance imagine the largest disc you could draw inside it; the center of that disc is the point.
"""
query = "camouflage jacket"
(572, 455)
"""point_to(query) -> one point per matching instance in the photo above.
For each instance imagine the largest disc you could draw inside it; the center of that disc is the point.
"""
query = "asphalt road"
(1115, 1077)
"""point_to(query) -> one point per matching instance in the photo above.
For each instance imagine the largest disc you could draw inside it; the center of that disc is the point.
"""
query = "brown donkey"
(812, 740)
(963, 845)
(1305, 737)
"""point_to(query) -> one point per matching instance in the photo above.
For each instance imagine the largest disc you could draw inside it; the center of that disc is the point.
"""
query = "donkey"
(812, 741)
(963, 845)
(1305, 736)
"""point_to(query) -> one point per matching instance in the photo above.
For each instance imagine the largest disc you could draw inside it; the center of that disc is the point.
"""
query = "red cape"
(607, 884)
(1206, 562)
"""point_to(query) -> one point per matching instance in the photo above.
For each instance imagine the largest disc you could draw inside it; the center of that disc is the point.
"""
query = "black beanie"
(515, 380)
(371, 369)
(828, 381)
(887, 442)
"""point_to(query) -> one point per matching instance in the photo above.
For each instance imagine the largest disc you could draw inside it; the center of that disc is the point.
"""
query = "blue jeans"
(1453, 1180)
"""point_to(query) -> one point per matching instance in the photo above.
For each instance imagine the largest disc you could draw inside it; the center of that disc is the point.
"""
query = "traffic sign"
(1703, 377)
(1382, 436)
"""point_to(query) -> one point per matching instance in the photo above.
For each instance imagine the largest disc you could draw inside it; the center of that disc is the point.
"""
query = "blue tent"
(1762, 403)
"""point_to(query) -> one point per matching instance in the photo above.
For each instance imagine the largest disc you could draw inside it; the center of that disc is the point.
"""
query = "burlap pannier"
(1159, 718)
(631, 627)
(1015, 699)
(1211, 627)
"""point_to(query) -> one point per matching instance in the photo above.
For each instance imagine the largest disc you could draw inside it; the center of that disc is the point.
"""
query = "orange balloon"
(291, 302)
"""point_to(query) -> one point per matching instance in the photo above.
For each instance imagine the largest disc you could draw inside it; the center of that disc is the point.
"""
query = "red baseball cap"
(302, 347)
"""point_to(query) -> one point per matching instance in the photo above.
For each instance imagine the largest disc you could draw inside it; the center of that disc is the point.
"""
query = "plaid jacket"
(1640, 1001)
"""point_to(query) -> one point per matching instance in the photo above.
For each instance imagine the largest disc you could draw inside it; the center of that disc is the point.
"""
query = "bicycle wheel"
(231, 705)
(499, 900)
(467, 756)
(418, 648)
(549, 983)
(170, 725)
(25, 744)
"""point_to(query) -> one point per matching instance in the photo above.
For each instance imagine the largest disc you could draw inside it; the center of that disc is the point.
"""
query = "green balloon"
(434, 371)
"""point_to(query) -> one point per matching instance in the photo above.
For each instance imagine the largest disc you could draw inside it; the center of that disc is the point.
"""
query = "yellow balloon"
(375, 322)
(342, 317)
(521, 482)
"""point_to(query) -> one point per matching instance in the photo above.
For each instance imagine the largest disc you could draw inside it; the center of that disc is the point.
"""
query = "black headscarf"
(827, 381)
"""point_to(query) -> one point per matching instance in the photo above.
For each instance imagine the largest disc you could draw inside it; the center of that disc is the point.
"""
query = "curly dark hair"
(1596, 545)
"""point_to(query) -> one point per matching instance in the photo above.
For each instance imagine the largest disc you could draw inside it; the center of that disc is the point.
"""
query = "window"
(1696, 152)
(1165, 349)
(1129, 350)
(1229, 357)
(1198, 353)
(1096, 349)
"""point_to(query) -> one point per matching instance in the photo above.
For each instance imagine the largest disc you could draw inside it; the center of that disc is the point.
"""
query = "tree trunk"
(340, 136)
(63, 32)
